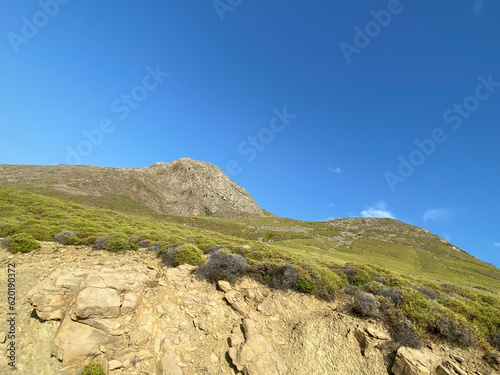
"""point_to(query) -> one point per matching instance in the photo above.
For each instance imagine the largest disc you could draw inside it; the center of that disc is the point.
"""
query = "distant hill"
(183, 187)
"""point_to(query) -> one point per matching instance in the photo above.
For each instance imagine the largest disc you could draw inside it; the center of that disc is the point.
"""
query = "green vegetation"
(115, 242)
(21, 242)
(189, 254)
(418, 284)
(93, 368)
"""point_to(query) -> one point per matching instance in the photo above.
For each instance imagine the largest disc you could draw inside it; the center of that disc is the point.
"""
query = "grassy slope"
(321, 250)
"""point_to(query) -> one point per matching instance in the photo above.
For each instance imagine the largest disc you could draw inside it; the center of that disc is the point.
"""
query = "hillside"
(413, 286)
(182, 187)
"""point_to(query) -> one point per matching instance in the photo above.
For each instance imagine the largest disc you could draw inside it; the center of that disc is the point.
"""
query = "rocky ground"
(133, 315)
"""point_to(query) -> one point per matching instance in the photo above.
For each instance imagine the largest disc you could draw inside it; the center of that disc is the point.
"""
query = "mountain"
(183, 187)
(305, 297)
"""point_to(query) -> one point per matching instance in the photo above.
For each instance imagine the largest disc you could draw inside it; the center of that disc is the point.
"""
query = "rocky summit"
(183, 187)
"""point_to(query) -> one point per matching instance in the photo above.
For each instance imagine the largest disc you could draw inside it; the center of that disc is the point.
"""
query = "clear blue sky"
(320, 109)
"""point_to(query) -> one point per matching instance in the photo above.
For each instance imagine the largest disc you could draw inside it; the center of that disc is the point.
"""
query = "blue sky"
(320, 110)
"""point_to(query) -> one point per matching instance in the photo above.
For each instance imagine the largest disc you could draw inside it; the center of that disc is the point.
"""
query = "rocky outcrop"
(253, 353)
(92, 305)
(136, 317)
(369, 338)
(414, 362)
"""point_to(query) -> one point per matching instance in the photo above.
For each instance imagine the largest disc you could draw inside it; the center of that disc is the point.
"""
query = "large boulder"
(74, 341)
(52, 296)
(415, 362)
(97, 302)
(255, 355)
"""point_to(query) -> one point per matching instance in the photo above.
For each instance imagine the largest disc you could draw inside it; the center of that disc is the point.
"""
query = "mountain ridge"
(182, 187)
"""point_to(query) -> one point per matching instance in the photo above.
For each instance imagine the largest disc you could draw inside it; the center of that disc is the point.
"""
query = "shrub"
(167, 254)
(21, 242)
(366, 304)
(279, 276)
(381, 280)
(93, 368)
(402, 329)
(142, 243)
(189, 254)
(429, 292)
(452, 331)
(372, 286)
(495, 340)
(404, 332)
(158, 247)
(392, 294)
(8, 230)
(222, 266)
(351, 289)
(114, 242)
(39, 232)
(356, 275)
(66, 238)
(304, 286)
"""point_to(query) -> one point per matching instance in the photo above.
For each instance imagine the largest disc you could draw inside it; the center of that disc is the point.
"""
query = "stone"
(52, 296)
(366, 342)
(113, 327)
(129, 304)
(97, 302)
(114, 365)
(442, 371)
(123, 354)
(256, 355)
(456, 368)
(168, 360)
(457, 358)
(225, 286)
(414, 362)
(74, 341)
(122, 282)
(375, 333)
(232, 298)
(139, 337)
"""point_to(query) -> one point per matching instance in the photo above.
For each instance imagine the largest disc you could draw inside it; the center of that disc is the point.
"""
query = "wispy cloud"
(478, 6)
(496, 244)
(437, 214)
(379, 209)
(335, 170)
(331, 204)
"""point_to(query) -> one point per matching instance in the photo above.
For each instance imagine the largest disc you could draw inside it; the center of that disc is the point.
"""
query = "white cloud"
(335, 170)
(379, 210)
(496, 244)
(478, 6)
(331, 205)
(437, 214)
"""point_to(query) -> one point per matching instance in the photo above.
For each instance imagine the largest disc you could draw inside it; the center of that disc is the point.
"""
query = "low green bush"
(93, 368)
(21, 242)
(39, 232)
(189, 254)
(115, 242)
